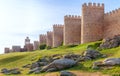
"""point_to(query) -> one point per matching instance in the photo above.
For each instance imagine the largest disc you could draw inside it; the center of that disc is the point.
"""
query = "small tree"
(48, 47)
(43, 46)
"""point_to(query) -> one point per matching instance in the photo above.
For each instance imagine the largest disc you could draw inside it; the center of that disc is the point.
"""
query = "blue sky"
(21, 18)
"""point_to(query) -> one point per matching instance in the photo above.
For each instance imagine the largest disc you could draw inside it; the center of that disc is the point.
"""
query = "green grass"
(19, 59)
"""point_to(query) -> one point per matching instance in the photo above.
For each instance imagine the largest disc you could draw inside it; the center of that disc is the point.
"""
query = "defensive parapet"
(42, 39)
(36, 45)
(28, 47)
(6, 50)
(92, 22)
(57, 35)
(72, 30)
(72, 17)
(50, 39)
(112, 23)
(93, 5)
(115, 12)
(16, 48)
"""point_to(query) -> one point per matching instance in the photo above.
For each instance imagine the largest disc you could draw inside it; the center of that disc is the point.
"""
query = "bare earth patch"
(77, 73)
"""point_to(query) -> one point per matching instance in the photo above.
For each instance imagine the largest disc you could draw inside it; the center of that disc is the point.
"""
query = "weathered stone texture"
(92, 22)
(50, 38)
(6, 50)
(72, 30)
(93, 25)
(16, 48)
(27, 40)
(42, 39)
(57, 35)
(112, 23)
(28, 47)
(36, 45)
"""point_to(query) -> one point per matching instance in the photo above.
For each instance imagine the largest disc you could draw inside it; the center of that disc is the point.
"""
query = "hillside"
(19, 59)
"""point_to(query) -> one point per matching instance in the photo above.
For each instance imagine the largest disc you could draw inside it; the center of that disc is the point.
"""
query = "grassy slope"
(13, 60)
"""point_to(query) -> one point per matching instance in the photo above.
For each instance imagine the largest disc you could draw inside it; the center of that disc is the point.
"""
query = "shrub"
(71, 46)
(90, 47)
(48, 47)
(43, 46)
(97, 44)
(94, 46)
(61, 44)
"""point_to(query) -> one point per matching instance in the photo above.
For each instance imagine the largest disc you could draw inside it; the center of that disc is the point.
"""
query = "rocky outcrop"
(91, 54)
(71, 56)
(53, 63)
(5, 71)
(111, 42)
(60, 62)
(107, 62)
(50, 59)
(35, 70)
(34, 65)
(112, 61)
(96, 65)
(10, 71)
(26, 66)
(66, 73)
(59, 65)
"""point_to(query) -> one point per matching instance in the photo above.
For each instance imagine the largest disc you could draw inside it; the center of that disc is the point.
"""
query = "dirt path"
(79, 74)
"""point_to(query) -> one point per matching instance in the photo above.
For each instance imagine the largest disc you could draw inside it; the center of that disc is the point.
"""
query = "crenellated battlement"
(93, 25)
(42, 39)
(113, 12)
(57, 35)
(112, 23)
(57, 26)
(93, 5)
(92, 22)
(72, 17)
(72, 29)
(49, 31)
(50, 38)
(43, 35)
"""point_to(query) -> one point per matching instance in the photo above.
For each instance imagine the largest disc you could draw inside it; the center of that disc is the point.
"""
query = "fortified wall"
(57, 35)
(50, 38)
(42, 39)
(36, 45)
(112, 23)
(92, 22)
(6, 50)
(92, 25)
(28, 47)
(72, 30)
(16, 48)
